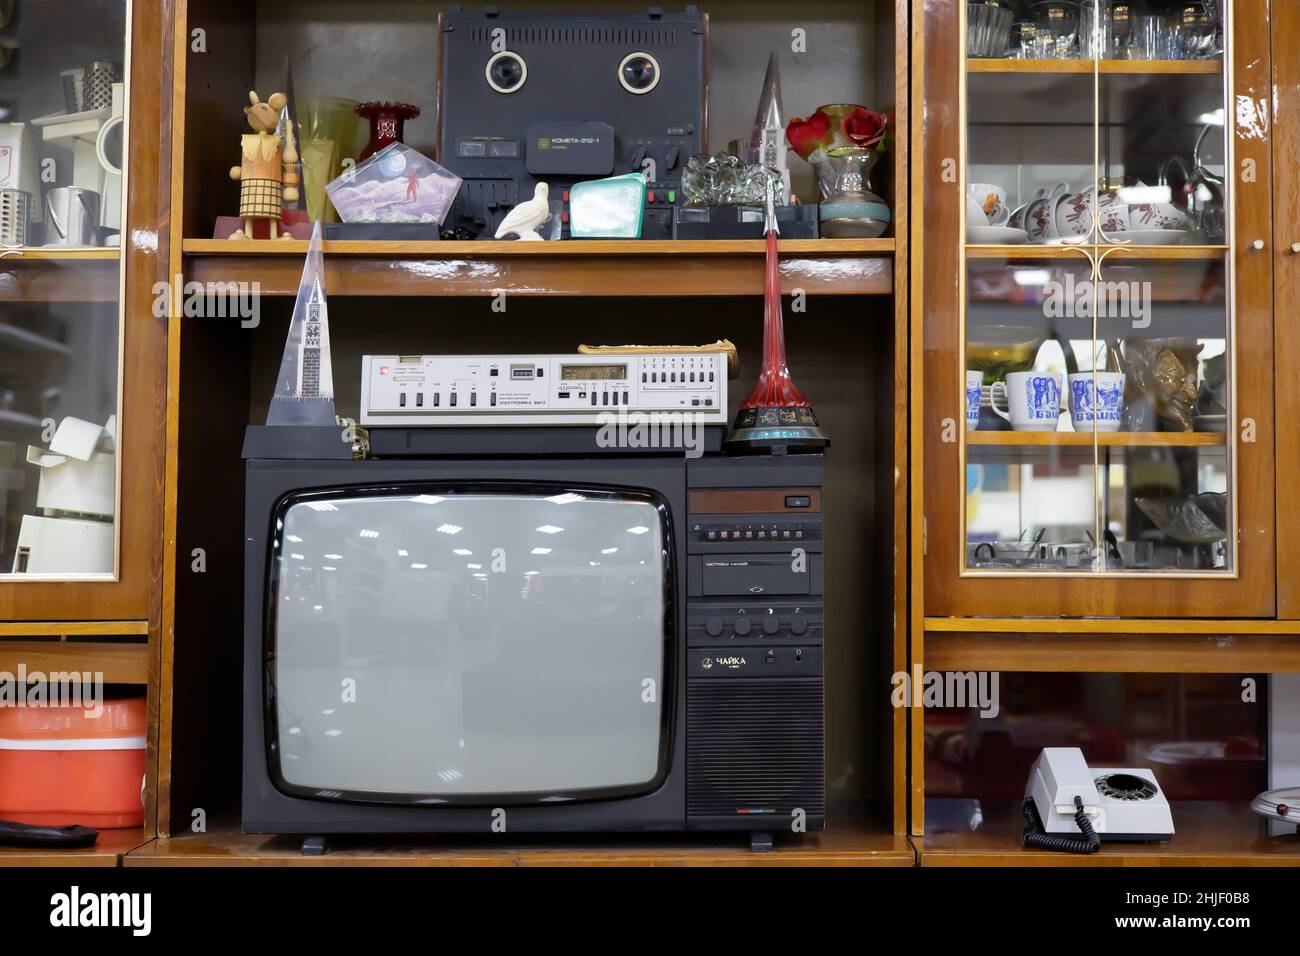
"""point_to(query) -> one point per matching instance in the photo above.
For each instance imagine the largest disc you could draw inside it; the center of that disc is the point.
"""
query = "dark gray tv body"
(267, 809)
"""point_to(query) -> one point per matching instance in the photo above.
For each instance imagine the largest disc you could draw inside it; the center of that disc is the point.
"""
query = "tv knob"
(798, 625)
(713, 627)
(771, 625)
(742, 626)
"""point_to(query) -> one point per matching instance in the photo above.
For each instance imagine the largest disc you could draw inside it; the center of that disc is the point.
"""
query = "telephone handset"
(1072, 808)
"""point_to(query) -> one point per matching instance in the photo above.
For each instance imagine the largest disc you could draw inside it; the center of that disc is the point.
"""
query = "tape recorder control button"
(743, 627)
(713, 627)
(770, 626)
(798, 625)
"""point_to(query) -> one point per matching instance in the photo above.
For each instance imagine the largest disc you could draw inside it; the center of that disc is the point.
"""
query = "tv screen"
(468, 644)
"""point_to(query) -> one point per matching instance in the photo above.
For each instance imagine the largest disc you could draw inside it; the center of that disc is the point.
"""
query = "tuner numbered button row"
(762, 534)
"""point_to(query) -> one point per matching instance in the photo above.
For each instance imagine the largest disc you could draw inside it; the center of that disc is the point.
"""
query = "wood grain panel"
(1113, 653)
(108, 851)
(850, 842)
(1131, 67)
(898, 491)
(120, 662)
(1210, 833)
(1286, 269)
(69, 628)
(565, 274)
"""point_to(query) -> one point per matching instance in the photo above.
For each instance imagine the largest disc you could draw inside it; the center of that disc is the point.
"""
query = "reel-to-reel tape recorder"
(561, 98)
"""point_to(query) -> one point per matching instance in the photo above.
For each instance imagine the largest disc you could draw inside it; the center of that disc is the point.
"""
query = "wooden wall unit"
(1162, 627)
(111, 628)
(849, 347)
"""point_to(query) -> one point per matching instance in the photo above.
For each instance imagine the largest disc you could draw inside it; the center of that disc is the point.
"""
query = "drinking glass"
(1119, 28)
(1059, 21)
(1150, 39)
(988, 28)
(1023, 33)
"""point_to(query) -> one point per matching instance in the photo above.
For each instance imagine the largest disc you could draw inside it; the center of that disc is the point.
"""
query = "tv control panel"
(409, 390)
(755, 643)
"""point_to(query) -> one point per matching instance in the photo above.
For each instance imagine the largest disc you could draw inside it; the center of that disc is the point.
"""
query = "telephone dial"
(1073, 808)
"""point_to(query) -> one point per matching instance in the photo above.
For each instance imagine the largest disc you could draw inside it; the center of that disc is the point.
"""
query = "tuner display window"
(592, 373)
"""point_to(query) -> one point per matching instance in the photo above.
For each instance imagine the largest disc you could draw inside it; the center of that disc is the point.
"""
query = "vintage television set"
(511, 629)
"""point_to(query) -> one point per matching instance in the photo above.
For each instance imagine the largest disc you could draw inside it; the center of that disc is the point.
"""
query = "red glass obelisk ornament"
(775, 417)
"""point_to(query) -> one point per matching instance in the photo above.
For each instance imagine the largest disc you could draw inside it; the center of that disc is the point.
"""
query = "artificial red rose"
(807, 136)
(863, 127)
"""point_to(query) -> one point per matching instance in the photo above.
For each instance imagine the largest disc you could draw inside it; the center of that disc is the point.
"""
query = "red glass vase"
(387, 124)
(775, 417)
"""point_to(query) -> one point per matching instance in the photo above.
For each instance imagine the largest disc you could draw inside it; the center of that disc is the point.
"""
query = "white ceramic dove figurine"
(524, 219)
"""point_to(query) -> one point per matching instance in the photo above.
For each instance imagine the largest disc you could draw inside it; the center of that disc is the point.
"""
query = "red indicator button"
(564, 217)
(566, 195)
(650, 196)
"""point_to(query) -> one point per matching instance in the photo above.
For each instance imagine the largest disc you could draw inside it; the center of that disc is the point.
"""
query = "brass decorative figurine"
(267, 173)
(775, 418)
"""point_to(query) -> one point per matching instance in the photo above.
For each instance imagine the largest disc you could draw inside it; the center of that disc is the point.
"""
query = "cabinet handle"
(1257, 245)
(1295, 248)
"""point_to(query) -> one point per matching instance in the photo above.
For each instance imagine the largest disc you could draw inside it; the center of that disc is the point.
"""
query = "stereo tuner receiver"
(410, 390)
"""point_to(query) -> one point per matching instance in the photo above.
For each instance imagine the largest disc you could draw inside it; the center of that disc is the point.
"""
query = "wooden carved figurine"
(267, 170)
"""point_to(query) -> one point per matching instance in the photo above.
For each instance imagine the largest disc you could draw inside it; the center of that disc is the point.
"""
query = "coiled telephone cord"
(1035, 836)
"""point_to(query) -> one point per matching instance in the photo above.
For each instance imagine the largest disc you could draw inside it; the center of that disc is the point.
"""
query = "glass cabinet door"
(63, 100)
(1097, 308)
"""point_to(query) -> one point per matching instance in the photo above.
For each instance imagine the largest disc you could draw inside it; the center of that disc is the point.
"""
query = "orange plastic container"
(59, 766)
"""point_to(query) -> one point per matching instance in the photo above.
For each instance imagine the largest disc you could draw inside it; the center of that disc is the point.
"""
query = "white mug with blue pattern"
(1032, 400)
(1097, 401)
(974, 381)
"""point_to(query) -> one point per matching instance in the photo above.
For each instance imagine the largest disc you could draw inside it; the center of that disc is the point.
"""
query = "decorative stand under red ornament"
(775, 418)
(387, 124)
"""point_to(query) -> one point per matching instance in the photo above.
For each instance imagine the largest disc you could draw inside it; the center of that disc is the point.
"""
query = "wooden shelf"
(572, 268)
(108, 851)
(59, 275)
(1227, 649)
(1119, 251)
(1129, 67)
(1208, 833)
(1103, 625)
(71, 628)
(1103, 439)
(844, 844)
(61, 253)
(121, 662)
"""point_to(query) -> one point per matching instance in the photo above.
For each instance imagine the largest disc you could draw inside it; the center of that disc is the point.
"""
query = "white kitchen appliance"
(109, 145)
(73, 531)
(20, 169)
(1074, 808)
(579, 389)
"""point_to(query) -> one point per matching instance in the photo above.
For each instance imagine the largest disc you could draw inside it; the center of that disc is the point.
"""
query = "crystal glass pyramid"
(304, 391)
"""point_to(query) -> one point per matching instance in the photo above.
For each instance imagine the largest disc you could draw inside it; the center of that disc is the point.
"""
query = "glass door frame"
(1097, 252)
(939, 318)
(24, 578)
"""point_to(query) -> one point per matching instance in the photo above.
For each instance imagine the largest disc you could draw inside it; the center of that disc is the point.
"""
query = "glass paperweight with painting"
(396, 184)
